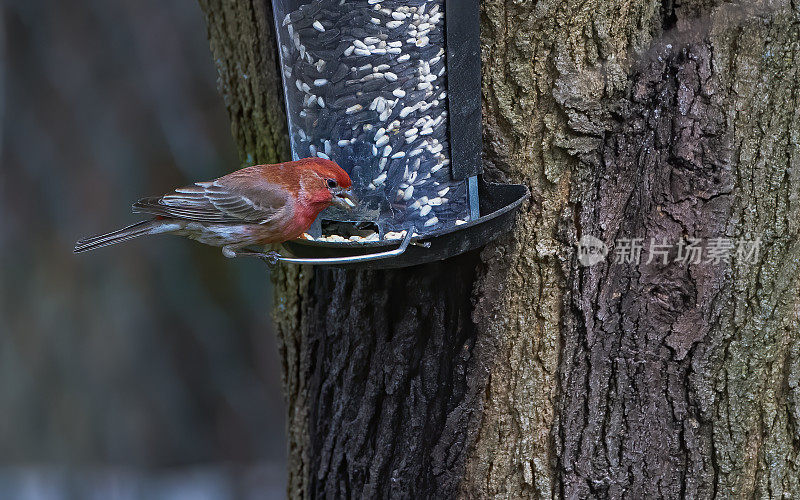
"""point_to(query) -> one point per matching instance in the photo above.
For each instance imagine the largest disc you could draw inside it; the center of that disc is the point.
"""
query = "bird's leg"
(229, 252)
(271, 258)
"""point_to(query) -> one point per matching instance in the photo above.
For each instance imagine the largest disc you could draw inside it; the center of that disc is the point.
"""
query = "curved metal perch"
(273, 258)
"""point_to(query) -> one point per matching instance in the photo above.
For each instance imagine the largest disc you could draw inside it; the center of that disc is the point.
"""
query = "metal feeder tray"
(499, 202)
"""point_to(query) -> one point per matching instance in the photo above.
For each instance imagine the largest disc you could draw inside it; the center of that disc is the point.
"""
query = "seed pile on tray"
(366, 87)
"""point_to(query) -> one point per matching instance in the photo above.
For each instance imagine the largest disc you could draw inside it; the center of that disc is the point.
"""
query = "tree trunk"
(517, 372)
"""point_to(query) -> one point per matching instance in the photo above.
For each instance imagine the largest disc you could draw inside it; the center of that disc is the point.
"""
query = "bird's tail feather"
(114, 237)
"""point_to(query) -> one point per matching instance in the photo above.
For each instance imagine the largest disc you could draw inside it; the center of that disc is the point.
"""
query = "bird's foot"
(271, 258)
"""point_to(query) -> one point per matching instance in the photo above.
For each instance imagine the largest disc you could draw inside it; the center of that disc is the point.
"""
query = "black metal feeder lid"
(477, 213)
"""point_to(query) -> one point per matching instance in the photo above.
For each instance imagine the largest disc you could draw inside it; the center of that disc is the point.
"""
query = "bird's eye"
(332, 183)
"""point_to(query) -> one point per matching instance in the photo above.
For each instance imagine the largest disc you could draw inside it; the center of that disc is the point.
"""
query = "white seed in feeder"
(394, 24)
(407, 111)
(444, 191)
(375, 20)
(404, 58)
(415, 152)
(399, 154)
(381, 67)
(425, 210)
(459, 222)
(371, 40)
(319, 82)
(362, 52)
(318, 26)
(398, 16)
(327, 147)
(354, 109)
(382, 163)
(321, 102)
(411, 131)
(378, 52)
(349, 50)
(323, 155)
(426, 131)
(379, 180)
(380, 133)
(411, 139)
(433, 220)
(390, 76)
(435, 201)
(382, 142)
(342, 143)
(409, 193)
(399, 93)
(387, 151)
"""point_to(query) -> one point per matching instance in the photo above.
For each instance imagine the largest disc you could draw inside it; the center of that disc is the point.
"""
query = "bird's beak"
(343, 198)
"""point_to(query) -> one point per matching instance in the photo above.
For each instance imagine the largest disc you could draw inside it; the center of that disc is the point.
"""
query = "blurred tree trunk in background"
(517, 372)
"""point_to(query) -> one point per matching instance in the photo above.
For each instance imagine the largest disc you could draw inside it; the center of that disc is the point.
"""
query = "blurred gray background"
(146, 370)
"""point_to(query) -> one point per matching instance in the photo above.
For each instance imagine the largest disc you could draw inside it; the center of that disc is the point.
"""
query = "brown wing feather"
(214, 202)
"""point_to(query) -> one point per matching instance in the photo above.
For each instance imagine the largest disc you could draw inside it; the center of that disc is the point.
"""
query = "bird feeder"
(390, 90)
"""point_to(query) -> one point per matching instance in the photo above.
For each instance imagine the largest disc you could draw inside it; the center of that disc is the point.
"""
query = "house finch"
(252, 206)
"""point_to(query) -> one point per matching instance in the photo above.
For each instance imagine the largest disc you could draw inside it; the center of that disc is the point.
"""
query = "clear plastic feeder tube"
(365, 86)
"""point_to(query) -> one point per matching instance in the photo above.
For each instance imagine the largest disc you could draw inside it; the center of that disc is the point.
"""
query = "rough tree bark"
(515, 372)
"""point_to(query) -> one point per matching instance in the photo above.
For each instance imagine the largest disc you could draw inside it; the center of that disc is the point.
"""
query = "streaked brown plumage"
(252, 206)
